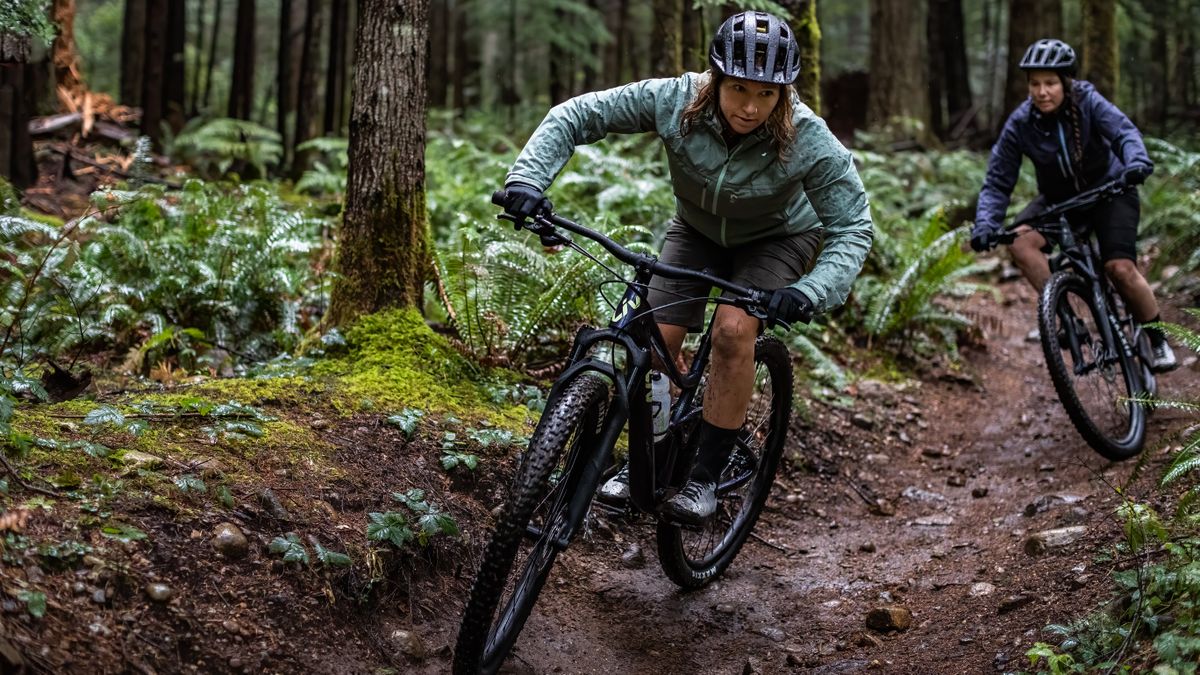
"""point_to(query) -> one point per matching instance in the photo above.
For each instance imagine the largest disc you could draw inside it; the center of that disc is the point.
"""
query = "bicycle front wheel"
(1095, 380)
(693, 557)
(533, 525)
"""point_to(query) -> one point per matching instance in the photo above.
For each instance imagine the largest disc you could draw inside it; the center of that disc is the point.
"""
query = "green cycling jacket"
(732, 196)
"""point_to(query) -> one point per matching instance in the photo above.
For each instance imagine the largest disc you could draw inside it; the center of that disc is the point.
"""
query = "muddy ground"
(919, 495)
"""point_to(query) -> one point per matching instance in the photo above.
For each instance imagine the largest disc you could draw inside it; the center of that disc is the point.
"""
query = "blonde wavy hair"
(779, 123)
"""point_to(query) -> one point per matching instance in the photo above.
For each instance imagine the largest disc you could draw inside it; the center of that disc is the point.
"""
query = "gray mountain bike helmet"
(756, 46)
(1049, 54)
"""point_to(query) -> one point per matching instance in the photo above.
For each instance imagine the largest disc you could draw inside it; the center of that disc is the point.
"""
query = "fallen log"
(44, 126)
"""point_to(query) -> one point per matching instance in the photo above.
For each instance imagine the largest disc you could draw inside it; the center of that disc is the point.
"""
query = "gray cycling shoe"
(616, 489)
(1163, 358)
(692, 505)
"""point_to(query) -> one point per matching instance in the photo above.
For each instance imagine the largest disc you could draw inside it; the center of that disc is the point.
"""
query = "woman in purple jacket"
(1076, 140)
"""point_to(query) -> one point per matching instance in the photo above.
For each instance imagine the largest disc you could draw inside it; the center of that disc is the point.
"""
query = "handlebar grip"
(499, 197)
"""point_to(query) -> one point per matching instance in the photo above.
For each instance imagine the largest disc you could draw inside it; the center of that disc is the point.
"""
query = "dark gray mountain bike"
(1098, 356)
(604, 388)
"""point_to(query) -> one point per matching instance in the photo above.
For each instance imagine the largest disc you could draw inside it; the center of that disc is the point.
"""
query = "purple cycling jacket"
(1111, 144)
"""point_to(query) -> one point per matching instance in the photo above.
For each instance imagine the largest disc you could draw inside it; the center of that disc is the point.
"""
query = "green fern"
(214, 146)
(1187, 460)
(326, 177)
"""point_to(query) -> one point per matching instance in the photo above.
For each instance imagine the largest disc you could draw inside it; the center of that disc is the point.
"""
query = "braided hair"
(1072, 105)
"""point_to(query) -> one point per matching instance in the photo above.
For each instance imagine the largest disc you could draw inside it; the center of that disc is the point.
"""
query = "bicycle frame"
(1080, 256)
(653, 468)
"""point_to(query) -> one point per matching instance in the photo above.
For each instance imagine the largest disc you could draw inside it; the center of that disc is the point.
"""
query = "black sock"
(1156, 335)
(713, 451)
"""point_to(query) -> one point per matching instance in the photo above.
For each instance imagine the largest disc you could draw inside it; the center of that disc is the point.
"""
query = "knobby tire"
(693, 557)
(1097, 401)
(504, 593)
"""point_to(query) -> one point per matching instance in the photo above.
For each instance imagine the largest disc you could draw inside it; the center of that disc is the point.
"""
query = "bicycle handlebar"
(753, 300)
(1053, 212)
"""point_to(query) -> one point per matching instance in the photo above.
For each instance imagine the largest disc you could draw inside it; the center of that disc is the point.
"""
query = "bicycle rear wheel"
(1095, 381)
(532, 527)
(693, 557)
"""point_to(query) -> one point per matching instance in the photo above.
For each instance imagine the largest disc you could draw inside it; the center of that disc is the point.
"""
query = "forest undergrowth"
(206, 302)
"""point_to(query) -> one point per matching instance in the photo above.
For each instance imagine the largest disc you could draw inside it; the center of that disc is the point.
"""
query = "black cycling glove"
(984, 239)
(789, 305)
(1136, 174)
(525, 201)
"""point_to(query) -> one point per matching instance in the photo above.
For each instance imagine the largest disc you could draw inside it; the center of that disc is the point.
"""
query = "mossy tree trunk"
(1100, 45)
(808, 34)
(383, 256)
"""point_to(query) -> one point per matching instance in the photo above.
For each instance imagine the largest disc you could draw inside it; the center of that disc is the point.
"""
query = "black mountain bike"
(1098, 356)
(604, 387)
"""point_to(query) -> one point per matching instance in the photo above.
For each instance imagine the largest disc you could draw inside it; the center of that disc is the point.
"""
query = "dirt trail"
(960, 463)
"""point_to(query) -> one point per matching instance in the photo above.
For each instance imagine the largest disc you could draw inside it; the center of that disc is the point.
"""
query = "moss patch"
(396, 361)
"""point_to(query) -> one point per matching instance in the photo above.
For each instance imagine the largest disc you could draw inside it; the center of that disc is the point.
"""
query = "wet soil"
(918, 495)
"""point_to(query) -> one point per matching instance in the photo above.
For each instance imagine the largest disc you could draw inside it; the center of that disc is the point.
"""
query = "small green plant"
(453, 457)
(390, 527)
(290, 547)
(35, 602)
(431, 520)
(122, 532)
(1057, 663)
(407, 421)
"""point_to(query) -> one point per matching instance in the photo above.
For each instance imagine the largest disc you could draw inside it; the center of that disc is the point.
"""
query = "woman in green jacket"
(765, 196)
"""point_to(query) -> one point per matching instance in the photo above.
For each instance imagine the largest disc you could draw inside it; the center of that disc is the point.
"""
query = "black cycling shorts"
(1115, 223)
(767, 263)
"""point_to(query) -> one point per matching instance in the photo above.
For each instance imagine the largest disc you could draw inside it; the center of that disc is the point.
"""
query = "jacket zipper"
(717, 189)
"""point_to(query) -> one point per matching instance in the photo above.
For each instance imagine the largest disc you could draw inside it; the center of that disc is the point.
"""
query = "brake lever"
(518, 223)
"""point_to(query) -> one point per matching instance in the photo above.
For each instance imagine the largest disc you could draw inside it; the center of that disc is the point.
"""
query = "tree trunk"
(63, 53)
(155, 41)
(949, 80)
(695, 51)
(1100, 65)
(285, 90)
(808, 34)
(591, 70)
(898, 70)
(241, 92)
(1185, 56)
(622, 43)
(16, 147)
(439, 53)
(335, 72)
(212, 55)
(193, 97)
(954, 58)
(559, 66)
(466, 60)
(383, 255)
(1028, 21)
(306, 104)
(1160, 101)
(133, 52)
(666, 41)
(174, 73)
(937, 69)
